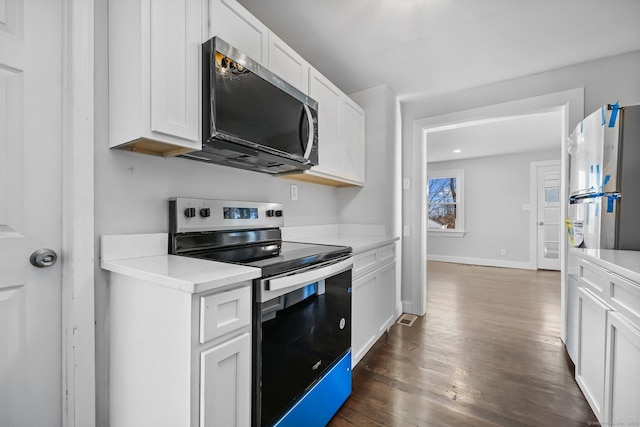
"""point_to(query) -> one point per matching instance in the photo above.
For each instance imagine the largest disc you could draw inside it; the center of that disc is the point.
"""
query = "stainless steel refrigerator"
(604, 184)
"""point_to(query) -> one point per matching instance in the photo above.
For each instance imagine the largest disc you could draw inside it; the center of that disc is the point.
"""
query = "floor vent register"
(407, 319)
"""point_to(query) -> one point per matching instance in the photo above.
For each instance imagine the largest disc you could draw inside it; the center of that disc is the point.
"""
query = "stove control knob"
(205, 212)
(190, 212)
(270, 213)
(278, 213)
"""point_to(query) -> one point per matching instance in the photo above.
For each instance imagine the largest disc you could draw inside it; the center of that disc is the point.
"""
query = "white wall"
(604, 81)
(374, 203)
(495, 188)
(378, 202)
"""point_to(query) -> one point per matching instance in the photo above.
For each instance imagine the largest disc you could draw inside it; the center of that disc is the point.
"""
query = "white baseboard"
(482, 261)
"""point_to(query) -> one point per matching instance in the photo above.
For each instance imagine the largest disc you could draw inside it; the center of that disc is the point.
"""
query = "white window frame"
(458, 174)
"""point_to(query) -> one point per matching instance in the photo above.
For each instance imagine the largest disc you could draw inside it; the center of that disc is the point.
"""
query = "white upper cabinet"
(229, 20)
(341, 137)
(328, 97)
(352, 135)
(154, 75)
(155, 56)
(287, 64)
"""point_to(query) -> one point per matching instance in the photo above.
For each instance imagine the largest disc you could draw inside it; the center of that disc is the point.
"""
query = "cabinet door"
(225, 384)
(572, 317)
(234, 24)
(385, 297)
(590, 369)
(154, 75)
(363, 331)
(328, 97)
(176, 36)
(623, 371)
(287, 64)
(352, 146)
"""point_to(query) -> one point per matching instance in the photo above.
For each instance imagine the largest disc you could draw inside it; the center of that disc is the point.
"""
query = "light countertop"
(358, 243)
(144, 257)
(359, 237)
(623, 263)
(184, 274)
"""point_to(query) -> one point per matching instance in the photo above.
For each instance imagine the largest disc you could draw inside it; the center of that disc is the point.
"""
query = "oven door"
(298, 336)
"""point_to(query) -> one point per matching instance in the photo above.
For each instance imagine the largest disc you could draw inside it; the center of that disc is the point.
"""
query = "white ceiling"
(433, 47)
(429, 47)
(533, 132)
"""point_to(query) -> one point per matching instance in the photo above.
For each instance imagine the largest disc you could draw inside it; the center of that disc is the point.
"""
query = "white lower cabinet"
(373, 299)
(608, 343)
(592, 315)
(571, 339)
(622, 379)
(385, 291)
(225, 380)
(179, 359)
(363, 330)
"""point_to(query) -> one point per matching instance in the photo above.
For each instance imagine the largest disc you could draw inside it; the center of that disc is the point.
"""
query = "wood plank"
(488, 353)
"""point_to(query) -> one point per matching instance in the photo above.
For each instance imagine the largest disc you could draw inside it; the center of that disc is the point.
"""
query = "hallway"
(488, 353)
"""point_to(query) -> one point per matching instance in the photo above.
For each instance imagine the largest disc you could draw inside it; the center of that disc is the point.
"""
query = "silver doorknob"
(43, 258)
(541, 223)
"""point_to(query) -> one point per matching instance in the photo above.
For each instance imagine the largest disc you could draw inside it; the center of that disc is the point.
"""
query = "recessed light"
(457, 151)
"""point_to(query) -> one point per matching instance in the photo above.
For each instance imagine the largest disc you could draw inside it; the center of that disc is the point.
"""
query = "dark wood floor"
(487, 353)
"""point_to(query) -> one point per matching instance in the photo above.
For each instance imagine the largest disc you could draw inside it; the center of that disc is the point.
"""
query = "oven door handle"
(310, 276)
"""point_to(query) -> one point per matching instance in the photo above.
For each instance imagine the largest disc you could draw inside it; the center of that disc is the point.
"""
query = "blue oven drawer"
(323, 400)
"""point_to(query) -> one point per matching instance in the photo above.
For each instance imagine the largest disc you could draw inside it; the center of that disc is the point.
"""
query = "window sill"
(446, 233)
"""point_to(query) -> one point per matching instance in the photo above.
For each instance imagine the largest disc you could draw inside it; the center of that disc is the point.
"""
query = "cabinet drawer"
(386, 253)
(224, 312)
(364, 262)
(370, 260)
(593, 278)
(625, 297)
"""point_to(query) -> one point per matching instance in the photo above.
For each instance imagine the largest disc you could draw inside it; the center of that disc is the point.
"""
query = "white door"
(30, 212)
(548, 217)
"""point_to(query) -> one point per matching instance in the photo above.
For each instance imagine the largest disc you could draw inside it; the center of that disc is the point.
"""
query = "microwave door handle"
(307, 152)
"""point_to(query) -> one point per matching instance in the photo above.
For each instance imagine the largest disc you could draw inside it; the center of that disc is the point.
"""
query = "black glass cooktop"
(275, 257)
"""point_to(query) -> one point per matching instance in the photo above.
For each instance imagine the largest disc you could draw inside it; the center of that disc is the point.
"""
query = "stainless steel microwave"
(252, 119)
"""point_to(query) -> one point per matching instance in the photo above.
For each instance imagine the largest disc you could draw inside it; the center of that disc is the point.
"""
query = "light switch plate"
(526, 207)
(294, 192)
(406, 183)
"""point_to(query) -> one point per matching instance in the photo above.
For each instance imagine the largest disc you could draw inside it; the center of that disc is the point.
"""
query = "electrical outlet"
(294, 192)
(526, 207)
(406, 183)
(503, 252)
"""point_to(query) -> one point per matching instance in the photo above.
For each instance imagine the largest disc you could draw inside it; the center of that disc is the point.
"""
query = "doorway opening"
(570, 106)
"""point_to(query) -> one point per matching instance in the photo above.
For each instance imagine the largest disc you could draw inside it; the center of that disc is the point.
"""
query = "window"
(445, 196)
